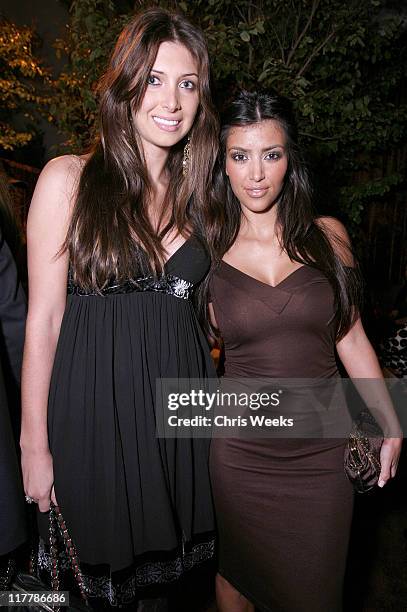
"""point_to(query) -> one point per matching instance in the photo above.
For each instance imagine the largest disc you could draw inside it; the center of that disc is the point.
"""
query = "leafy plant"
(342, 64)
(91, 33)
(23, 85)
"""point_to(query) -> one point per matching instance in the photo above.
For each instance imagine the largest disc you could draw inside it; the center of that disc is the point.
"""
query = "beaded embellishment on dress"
(168, 283)
(143, 575)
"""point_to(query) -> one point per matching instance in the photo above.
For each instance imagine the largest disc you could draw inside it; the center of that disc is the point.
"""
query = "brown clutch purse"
(362, 453)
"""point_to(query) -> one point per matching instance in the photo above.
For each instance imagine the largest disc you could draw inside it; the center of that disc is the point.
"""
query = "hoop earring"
(186, 158)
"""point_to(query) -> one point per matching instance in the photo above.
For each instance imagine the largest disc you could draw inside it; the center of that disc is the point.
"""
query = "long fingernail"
(381, 483)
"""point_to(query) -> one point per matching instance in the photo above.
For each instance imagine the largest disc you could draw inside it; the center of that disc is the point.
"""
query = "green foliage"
(356, 196)
(22, 85)
(342, 64)
(91, 33)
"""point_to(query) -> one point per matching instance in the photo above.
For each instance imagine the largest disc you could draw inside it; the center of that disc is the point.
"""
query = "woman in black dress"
(283, 299)
(13, 528)
(116, 248)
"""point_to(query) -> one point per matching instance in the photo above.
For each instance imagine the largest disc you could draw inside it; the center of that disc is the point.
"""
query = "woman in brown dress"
(282, 298)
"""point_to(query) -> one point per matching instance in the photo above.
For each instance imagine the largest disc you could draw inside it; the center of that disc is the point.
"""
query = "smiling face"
(171, 100)
(256, 164)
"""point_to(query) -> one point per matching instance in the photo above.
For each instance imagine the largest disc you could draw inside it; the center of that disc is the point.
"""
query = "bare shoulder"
(338, 236)
(333, 228)
(62, 173)
(57, 185)
(52, 202)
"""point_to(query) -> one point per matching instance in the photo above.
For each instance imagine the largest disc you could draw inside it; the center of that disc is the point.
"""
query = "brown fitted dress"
(284, 506)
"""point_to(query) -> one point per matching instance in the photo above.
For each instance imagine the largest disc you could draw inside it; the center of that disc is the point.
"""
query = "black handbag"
(27, 583)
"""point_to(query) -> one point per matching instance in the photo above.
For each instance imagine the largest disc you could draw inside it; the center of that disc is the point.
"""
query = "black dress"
(12, 325)
(138, 507)
(283, 506)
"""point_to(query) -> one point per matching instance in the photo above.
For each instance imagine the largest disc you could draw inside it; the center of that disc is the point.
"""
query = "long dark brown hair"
(110, 228)
(304, 239)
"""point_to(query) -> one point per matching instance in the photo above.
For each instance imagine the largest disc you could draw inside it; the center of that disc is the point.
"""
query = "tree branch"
(242, 15)
(315, 53)
(250, 61)
(280, 44)
(315, 137)
(297, 23)
(315, 5)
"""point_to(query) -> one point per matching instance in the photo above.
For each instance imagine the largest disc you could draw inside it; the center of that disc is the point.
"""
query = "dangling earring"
(186, 158)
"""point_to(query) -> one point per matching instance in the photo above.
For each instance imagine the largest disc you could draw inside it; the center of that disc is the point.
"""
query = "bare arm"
(360, 361)
(47, 272)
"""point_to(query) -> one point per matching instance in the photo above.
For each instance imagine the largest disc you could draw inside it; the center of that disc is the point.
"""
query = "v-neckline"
(253, 278)
(167, 262)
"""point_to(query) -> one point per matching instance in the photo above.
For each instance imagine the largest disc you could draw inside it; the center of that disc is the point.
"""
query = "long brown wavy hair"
(110, 233)
(304, 239)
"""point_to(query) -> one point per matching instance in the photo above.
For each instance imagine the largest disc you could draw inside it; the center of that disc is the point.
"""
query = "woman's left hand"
(389, 458)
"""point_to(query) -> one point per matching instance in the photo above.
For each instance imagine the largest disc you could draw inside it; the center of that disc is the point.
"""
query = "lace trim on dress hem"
(147, 574)
(170, 284)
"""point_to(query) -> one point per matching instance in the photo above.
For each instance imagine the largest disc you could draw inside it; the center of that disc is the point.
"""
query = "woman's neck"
(260, 226)
(156, 163)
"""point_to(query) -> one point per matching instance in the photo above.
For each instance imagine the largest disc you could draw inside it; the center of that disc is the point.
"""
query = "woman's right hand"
(38, 477)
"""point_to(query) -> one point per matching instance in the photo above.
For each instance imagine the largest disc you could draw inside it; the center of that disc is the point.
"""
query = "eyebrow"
(273, 146)
(188, 74)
